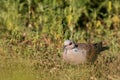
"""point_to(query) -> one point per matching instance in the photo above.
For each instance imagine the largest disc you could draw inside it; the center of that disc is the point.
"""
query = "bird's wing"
(90, 50)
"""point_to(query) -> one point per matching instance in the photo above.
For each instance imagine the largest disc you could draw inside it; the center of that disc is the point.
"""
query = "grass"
(32, 34)
(14, 70)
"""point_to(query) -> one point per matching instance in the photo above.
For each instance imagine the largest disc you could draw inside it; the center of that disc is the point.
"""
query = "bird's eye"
(70, 43)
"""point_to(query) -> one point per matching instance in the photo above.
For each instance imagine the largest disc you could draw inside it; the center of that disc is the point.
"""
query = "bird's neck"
(75, 46)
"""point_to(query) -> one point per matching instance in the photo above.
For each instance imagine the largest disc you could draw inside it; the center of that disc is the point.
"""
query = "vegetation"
(32, 33)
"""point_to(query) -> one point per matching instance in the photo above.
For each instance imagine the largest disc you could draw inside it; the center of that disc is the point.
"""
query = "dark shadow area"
(100, 47)
(104, 48)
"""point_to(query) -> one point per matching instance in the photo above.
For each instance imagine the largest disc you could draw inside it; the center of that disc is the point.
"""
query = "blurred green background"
(32, 33)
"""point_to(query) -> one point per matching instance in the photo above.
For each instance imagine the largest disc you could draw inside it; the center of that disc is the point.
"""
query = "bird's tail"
(98, 46)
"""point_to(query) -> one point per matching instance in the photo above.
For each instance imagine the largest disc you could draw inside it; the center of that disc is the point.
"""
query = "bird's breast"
(75, 55)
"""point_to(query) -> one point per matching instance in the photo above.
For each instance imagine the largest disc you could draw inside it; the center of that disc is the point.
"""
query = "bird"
(79, 53)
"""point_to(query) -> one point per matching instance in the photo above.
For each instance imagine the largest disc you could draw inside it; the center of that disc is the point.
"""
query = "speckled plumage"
(80, 53)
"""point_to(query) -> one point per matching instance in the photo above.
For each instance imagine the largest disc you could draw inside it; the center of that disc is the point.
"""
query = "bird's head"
(69, 44)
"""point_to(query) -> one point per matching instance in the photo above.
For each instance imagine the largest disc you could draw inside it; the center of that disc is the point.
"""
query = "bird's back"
(92, 50)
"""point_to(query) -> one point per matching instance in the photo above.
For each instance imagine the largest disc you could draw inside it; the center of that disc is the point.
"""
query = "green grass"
(11, 70)
(32, 35)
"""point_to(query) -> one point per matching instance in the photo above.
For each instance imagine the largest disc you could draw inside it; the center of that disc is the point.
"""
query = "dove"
(78, 53)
